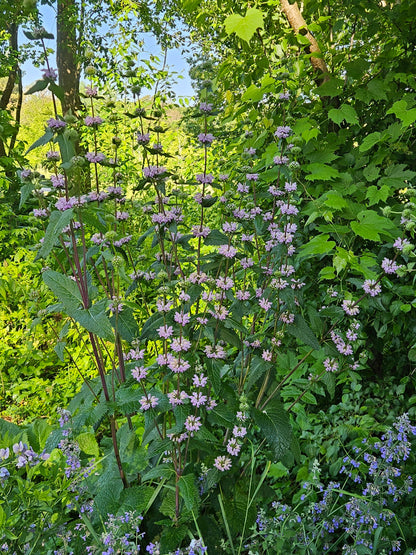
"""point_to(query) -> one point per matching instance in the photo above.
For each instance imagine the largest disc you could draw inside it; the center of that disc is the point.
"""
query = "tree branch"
(297, 23)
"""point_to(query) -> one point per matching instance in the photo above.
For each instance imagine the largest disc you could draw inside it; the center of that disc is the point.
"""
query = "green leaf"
(332, 87)
(94, 319)
(215, 237)
(375, 194)
(8, 429)
(64, 288)
(107, 498)
(307, 128)
(274, 424)
(371, 172)
(317, 245)
(40, 85)
(277, 470)
(400, 110)
(335, 200)
(57, 221)
(377, 89)
(37, 434)
(370, 141)
(172, 536)
(321, 172)
(371, 224)
(136, 498)
(60, 350)
(66, 147)
(189, 491)
(126, 324)
(88, 444)
(25, 193)
(302, 331)
(257, 368)
(57, 91)
(345, 112)
(44, 140)
(244, 27)
(253, 93)
(396, 176)
(327, 273)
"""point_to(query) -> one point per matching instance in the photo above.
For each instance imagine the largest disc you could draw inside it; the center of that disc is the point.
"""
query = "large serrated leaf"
(275, 426)
(136, 498)
(57, 222)
(189, 491)
(64, 288)
(44, 140)
(25, 192)
(126, 324)
(107, 499)
(66, 147)
(302, 331)
(38, 86)
(88, 444)
(94, 319)
(215, 237)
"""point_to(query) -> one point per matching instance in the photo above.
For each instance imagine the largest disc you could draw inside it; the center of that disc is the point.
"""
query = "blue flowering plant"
(365, 511)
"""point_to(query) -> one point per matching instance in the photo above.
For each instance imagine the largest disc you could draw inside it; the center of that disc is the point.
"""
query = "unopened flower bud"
(111, 235)
(70, 118)
(386, 210)
(117, 261)
(71, 135)
(90, 70)
(116, 141)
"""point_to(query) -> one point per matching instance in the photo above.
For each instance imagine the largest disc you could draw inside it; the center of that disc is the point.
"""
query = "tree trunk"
(67, 55)
(298, 25)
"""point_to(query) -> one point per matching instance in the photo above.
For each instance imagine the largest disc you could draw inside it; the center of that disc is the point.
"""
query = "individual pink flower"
(222, 463)
(193, 423)
(239, 431)
(139, 373)
(349, 308)
(177, 397)
(198, 399)
(267, 356)
(371, 287)
(227, 250)
(181, 318)
(147, 403)
(180, 344)
(265, 304)
(165, 331)
(330, 364)
(233, 447)
(199, 381)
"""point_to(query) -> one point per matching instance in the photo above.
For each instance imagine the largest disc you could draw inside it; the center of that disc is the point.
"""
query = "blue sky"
(176, 60)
